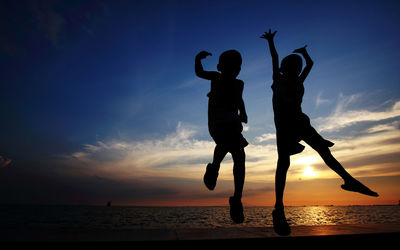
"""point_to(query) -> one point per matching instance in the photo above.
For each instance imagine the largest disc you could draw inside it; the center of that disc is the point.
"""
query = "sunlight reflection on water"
(92, 217)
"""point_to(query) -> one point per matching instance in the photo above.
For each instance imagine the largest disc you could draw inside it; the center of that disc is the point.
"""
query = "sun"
(309, 172)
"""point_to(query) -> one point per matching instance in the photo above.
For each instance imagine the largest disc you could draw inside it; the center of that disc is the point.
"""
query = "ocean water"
(125, 218)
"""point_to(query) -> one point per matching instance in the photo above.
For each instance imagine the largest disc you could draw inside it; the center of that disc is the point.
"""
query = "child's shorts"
(292, 132)
(227, 134)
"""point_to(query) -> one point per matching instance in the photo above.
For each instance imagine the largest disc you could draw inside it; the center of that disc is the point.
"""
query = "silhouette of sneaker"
(355, 186)
(210, 177)
(236, 210)
(281, 226)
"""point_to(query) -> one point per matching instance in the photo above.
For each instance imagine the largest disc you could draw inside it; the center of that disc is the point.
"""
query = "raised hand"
(203, 54)
(301, 50)
(268, 35)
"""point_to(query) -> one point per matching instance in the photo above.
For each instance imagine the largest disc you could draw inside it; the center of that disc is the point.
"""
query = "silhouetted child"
(292, 126)
(226, 112)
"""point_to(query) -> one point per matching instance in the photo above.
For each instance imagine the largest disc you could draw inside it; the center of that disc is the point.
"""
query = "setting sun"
(309, 172)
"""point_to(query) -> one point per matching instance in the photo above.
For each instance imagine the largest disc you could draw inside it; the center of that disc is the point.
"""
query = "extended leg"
(350, 183)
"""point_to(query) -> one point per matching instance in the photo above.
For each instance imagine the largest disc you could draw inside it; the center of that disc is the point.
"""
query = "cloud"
(4, 162)
(319, 100)
(151, 157)
(176, 155)
(367, 140)
(365, 155)
(343, 117)
(383, 127)
(265, 137)
(190, 83)
(176, 161)
(181, 155)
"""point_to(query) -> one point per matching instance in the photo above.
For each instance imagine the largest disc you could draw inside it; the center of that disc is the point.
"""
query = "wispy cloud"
(179, 158)
(190, 83)
(384, 127)
(366, 155)
(181, 155)
(373, 146)
(175, 154)
(343, 117)
(265, 137)
(320, 100)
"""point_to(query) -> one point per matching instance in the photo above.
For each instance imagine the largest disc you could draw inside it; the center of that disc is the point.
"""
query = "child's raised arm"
(309, 62)
(198, 67)
(275, 59)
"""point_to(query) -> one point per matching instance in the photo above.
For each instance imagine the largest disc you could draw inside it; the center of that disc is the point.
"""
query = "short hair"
(292, 63)
(230, 57)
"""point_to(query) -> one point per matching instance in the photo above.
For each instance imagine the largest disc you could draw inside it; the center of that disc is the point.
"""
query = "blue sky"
(93, 81)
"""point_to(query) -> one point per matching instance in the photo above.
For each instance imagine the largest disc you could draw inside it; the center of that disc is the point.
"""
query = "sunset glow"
(309, 172)
(99, 100)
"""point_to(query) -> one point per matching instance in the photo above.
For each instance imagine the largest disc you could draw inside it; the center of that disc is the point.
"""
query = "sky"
(99, 101)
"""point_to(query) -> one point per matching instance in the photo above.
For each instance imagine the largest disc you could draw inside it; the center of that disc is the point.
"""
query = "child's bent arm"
(198, 67)
(309, 63)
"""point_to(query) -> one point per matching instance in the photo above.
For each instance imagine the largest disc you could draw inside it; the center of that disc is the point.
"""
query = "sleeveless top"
(224, 98)
(287, 97)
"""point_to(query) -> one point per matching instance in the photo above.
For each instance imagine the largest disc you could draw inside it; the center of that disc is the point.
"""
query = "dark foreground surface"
(323, 236)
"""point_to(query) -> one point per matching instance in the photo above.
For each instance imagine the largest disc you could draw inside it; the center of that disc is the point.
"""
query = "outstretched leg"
(235, 202)
(350, 183)
(281, 226)
(211, 175)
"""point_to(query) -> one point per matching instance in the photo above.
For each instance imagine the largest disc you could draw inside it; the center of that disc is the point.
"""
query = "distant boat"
(109, 204)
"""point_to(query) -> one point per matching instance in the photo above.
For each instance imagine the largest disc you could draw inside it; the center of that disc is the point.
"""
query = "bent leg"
(219, 154)
(212, 169)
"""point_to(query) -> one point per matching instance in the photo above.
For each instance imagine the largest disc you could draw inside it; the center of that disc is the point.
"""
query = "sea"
(48, 217)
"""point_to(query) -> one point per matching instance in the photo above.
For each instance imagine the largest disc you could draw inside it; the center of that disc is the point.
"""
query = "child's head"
(291, 65)
(230, 63)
